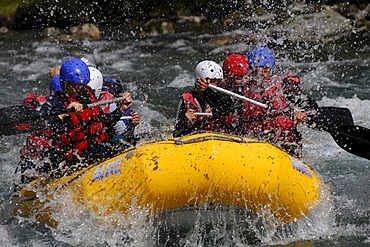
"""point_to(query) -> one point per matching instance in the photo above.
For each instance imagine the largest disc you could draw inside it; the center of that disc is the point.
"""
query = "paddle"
(330, 118)
(337, 121)
(22, 119)
(327, 118)
(235, 95)
(354, 139)
(203, 114)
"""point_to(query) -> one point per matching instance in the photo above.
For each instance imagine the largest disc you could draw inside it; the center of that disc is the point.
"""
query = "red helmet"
(235, 65)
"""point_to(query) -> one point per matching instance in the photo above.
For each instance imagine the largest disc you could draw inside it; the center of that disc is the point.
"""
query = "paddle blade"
(330, 118)
(20, 119)
(354, 139)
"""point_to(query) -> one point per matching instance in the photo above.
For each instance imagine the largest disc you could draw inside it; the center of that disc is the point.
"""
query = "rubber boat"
(199, 169)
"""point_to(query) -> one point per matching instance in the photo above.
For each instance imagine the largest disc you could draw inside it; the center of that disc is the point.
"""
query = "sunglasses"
(262, 70)
(239, 77)
(75, 86)
(213, 80)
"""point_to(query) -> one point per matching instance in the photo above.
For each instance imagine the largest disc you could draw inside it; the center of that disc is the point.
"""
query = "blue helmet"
(55, 85)
(74, 71)
(261, 57)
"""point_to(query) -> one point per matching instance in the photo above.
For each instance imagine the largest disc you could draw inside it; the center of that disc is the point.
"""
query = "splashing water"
(157, 69)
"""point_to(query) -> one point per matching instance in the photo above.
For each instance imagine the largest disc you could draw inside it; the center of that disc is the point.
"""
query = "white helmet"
(96, 81)
(208, 69)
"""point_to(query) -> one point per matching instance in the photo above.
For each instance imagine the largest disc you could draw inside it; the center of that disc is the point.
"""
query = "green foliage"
(9, 7)
(65, 13)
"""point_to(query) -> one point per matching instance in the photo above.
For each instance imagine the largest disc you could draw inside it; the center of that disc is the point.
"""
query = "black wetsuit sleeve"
(181, 120)
(182, 125)
(52, 108)
(110, 120)
(221, 104)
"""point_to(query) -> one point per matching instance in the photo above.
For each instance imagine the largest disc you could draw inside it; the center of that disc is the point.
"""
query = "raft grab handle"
(210, 137)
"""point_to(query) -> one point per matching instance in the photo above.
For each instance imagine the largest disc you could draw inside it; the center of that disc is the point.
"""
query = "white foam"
(5, 239)
(46, 48)
(122, 66)
(182, 80)
(178, 43)
(359, 108)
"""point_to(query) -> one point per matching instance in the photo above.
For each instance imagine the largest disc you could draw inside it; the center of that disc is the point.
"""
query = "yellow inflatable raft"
(199, 169)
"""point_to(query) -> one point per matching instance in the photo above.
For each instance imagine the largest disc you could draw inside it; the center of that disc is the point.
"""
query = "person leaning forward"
(84, 135)
(288, 106)
(192, 102)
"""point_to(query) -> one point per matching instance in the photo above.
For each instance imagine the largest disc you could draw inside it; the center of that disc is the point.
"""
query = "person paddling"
(106, 88)
(235, 68)
(192, 102)
(287, 105)
(82, 136)
(124, 128)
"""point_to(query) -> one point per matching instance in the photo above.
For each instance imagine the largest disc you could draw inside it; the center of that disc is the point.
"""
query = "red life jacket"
(74, 141)
(230, 123)
(292, 79)
(37, 144)
(85, 128)
(191, 103)
(103, 97)
(278, 118)
(34, 101)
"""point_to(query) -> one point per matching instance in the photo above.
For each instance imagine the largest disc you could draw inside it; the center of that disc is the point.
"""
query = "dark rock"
(166, 16)
(50, 32)
(367, 13)
(325, 26)
(85, 31)
(158, 26)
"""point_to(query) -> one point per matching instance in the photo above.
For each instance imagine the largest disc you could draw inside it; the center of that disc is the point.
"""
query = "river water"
(157, 69)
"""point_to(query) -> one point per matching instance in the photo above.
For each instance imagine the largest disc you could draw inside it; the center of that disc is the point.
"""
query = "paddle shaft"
(235, 95)
(337, 121)
(99, 103)
(327, 117)
(85, 106)
(203, 114)
(22, 119)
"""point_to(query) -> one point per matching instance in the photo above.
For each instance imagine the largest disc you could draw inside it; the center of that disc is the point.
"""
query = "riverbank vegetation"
(321, 20)
(27, 14)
